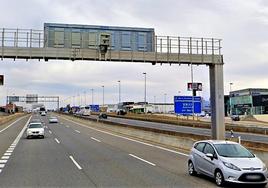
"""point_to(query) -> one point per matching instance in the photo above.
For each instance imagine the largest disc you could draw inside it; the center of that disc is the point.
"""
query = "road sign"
(1, 80)
(12, 99)
(31, 98)
(184, 105)
(94, 108)
(194, 86)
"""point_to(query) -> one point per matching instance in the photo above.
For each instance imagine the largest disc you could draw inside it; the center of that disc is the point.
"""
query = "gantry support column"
(217, 101)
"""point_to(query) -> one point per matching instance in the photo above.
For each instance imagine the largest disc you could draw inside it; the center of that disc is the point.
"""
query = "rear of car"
(35, 130)
(226, 161)
(53, 120)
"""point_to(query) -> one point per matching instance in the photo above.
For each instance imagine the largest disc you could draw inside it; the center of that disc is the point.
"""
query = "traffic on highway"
(73, 154)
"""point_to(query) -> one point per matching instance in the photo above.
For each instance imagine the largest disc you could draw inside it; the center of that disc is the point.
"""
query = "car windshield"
(233, 151)
(35, 125)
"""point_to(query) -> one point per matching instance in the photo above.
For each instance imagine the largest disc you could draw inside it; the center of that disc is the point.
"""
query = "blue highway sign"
(184, 105)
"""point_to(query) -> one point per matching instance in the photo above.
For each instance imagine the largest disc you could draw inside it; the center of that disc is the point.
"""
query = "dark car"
(103, 116)
(235, 117)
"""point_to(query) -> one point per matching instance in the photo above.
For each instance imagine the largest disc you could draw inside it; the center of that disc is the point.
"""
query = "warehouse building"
(250, 101)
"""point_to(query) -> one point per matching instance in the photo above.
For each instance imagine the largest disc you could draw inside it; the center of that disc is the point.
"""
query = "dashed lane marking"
(95, 139)
(57, 140)
(76, 164)
(141, 159)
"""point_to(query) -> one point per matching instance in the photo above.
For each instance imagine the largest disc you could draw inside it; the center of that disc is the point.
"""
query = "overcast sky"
(242, 24)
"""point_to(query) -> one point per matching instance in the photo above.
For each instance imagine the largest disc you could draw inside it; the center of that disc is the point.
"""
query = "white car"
(53, 120)
(43, 113)
(35, 130)
(226, 161)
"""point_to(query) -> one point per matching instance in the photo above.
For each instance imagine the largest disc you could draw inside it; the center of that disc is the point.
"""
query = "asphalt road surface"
(72, 155)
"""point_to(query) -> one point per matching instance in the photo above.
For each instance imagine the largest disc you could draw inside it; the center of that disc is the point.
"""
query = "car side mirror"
(210, 155)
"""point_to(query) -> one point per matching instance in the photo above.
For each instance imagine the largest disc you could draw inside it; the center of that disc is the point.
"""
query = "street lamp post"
(119, 91)
(144, 91)
(102, 95)
(85, 98)
(165, 101)
(230, 103)
(92, 96)
(144, 86)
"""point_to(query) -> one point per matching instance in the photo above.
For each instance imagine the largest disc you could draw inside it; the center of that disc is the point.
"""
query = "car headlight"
(231, 166)
(264, 168)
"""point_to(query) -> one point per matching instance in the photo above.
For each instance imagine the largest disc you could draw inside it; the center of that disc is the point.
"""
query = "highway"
(73, 155)
(183, 129)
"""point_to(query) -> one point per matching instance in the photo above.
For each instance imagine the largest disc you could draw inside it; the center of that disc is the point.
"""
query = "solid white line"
(3, 161)
(57, 140)
(50, 131)
(11, 124)
(141, 159)
(76, 164)
(144, 143)
(77, 131)
(95, 139)
(2, 165)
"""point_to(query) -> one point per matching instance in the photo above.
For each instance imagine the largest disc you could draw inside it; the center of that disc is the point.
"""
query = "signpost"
(1, 80)
(184, 105)
(94, 108)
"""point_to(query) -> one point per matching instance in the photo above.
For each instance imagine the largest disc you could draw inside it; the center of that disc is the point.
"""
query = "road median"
(9, 118)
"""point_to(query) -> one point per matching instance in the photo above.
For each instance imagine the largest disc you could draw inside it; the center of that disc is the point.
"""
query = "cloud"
(242, 24)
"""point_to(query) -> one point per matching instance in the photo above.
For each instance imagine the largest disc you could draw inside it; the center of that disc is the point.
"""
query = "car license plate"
(253, 177)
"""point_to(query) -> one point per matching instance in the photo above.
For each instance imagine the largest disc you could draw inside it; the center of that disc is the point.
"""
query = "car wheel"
(219, 179)
(191, 169)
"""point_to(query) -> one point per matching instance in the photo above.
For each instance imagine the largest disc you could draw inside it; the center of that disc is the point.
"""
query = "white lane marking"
(11, 146)
(77, 131)
(5, 157)
(95, 139)
(7, 154)
(67, 126)
(50, 131)
(144, 143)
(9, 151)
(11, 124)
(142, 159)
(2, 165)
(57, 140)
(3, 161)
(0, 170)
(21, 132)
(76, 164)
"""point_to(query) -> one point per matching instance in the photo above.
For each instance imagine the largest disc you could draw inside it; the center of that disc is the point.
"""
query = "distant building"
(249, 101)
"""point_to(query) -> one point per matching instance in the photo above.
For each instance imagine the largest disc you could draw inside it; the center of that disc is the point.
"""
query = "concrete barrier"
(262, 117)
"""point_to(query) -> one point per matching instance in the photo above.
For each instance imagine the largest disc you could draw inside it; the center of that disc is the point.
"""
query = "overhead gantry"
(30, 44)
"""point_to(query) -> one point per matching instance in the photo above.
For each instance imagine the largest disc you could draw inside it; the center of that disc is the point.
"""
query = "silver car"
(226, 161)
(53, 120)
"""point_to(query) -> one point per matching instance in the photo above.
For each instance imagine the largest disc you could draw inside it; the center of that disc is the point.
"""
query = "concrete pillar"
(217, 101)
